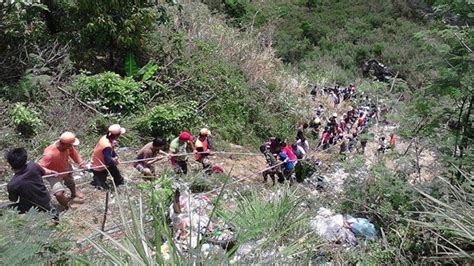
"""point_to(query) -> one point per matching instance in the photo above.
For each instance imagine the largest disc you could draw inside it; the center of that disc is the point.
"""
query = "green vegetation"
(244, 69)
(25, 120)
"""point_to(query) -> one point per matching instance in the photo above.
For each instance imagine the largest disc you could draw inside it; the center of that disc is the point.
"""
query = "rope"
(146, 159)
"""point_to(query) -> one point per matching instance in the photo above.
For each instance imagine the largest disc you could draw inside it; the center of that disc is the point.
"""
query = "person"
(314, 92)
(362, 121)
(287, 149)
(393, 141)
(298, 151)
(324, 140)
(314, 125)
(319, 110)
(332, 123)
(364, 138)
(382, 146)
(342, 123)
(271, 163)
(288, 165)
(181, 145)
(56, 157)
(203, 149)
(343, 147)
(352, 142)
(105, 159)
(273, 145)
(149, 151)
(27, 186)
(300, 131)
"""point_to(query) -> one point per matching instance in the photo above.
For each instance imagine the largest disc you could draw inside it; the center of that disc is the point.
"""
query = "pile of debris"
(342, 229)
(192, 227)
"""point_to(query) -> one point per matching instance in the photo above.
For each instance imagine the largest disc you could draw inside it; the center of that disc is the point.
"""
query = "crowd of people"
(348, 131)
(27, 188)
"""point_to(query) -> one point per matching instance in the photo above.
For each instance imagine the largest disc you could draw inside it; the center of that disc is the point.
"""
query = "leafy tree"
(449, 100)
(110, 28)
(21, 27)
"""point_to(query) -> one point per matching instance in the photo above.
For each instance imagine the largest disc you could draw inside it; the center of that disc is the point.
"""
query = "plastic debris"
(331, 227)
(191, 224)
(361, 227)
(338, 228)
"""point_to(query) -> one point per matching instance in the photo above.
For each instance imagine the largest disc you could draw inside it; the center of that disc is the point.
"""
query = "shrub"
(110, 92)
(167, 119)
(28, 239)
(25, 119)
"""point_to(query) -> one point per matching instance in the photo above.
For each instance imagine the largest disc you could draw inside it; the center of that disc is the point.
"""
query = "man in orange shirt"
(105, 160)
(56, 157)
(202, 149)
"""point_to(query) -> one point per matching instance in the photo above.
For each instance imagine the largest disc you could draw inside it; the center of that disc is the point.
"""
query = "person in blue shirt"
(288, 166)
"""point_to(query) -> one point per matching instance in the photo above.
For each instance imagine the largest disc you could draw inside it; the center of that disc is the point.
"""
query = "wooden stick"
(102, 228)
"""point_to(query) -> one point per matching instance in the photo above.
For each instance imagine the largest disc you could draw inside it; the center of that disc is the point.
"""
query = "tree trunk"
(459, 128)
(465, 135)
(51, 22)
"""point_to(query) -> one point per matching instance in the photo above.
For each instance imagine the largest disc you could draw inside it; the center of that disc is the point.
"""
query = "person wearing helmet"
(150, 150)
(180, 146)
(105, 159)
(56, 157)
(202, 149)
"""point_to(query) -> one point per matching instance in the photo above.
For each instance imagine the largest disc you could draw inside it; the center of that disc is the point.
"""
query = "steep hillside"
(249, 71)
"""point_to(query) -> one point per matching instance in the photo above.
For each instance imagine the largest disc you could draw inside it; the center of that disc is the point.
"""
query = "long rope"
(146, 159)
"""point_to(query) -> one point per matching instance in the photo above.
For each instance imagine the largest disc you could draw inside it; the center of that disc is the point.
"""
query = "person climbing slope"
(271, 163)
(203, 150)
(150, 150)
(181, 145)
(27, 186)
(105, 159)
(56, 157)
(288, 165)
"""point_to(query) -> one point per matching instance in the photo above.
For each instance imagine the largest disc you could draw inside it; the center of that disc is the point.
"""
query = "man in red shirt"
(56, 157)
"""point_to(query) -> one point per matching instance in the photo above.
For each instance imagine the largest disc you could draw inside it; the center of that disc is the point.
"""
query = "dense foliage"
(243, 69)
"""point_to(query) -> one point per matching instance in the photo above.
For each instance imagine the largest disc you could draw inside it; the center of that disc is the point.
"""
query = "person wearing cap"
(105, 160)
(56, 157)
(202, 149)
(181, 145)
(150, 150)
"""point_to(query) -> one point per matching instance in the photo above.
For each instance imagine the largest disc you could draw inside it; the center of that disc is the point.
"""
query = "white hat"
(69, 138)
(117, 129)
(205, 132)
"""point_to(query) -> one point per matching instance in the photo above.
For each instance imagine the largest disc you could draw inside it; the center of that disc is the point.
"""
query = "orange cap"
(69, 138)
(117, 129)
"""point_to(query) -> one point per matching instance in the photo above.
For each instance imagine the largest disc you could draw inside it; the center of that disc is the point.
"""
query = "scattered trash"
(190, 218)
(212, 250)
(165, 251)
(338, 228)
(244, 249)
(361, 227)
(317, 181)
(331, 227)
